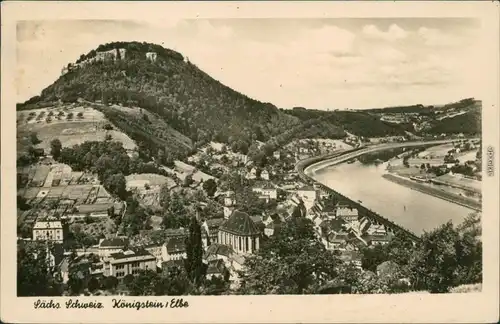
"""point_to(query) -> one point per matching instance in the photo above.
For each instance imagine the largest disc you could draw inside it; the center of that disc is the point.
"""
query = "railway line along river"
(414, 210)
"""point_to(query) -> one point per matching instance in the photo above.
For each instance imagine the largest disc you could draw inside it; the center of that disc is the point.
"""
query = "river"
(411, 209)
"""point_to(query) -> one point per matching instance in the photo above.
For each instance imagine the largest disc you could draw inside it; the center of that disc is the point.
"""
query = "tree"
(292, 262)
(194, 250)
(446, 257)
(188, 180)
(210, 187)
(34, 139)
(33, 273)
(145, 283)
(116, 184)
(110, 283)
(93, 284)
(55, 148)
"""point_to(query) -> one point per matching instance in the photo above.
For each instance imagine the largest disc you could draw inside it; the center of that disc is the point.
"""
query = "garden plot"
(140, 180)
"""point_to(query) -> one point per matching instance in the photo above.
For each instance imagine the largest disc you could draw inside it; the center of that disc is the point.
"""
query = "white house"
(48, 231)
(276, 155)
(174, 249)
(266, 191)
(307, 193)
(151, 56)
(252, 174)
(264, 175)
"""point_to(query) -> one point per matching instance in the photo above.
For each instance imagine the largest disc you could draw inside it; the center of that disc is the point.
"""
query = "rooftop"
(215, 266)
(132, 253)
(176, 245)
(240, 223)
(113, 242)
(47, 224)
(219, 249)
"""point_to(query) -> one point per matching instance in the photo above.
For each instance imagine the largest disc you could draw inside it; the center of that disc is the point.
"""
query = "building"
(307, 193)
(122, 53)
(215, 268)
(273, 227)
(252, 174)
(349, 214)
(156, 250)
(151, 56)
(240, 233)
(264, 175)
(112, 245)
(218, 251)
(174, 249)
(48, 231)
(277, 155)
(176, 232)
(266, 191)
(127, 262)
(228, 211)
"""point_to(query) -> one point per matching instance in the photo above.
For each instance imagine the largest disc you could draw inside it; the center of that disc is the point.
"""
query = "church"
(240, 232)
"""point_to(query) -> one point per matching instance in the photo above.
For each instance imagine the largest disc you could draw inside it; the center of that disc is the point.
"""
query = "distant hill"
(399, 109)
(358, 123)
(468, 123)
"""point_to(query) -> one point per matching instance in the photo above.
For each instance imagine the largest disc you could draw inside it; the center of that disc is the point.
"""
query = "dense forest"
(468, 123)
(359, 123)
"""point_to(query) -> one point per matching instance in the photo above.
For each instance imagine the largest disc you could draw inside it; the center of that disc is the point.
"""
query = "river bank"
(463, 201)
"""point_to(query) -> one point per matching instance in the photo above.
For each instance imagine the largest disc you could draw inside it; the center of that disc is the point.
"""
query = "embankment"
(303, 164)
(463, 201)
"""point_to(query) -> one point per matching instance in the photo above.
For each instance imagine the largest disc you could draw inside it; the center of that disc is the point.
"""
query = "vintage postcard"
(250, 162)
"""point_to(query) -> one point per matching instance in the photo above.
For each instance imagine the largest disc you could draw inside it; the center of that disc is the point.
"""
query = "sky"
(314, 63)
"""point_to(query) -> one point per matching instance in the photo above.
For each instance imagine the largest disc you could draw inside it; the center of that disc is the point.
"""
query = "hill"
(164, 83)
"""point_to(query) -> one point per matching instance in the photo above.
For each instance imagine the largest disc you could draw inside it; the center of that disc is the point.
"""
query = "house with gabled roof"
(215, 268)
(109, 246)
(266, 191)
(174, 249)
(264, 175)
(130, 261)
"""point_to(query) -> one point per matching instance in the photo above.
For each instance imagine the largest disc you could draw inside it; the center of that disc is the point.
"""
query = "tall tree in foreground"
(292, 262)
(194, 249)
(33, 273)
(448, 257)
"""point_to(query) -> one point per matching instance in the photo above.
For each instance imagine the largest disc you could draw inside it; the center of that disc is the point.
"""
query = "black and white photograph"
(188, 157)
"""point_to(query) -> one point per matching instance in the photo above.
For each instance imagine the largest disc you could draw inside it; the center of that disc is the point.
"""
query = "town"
(112, 200)
(238, 208)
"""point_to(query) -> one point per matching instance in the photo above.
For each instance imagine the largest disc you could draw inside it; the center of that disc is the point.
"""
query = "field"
(182, 170)
(440, 150)
(461, 182)
(139, 180)
(467, 156)
(88, 127)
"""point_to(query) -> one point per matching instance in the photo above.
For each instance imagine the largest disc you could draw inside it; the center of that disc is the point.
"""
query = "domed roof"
(240, 223)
